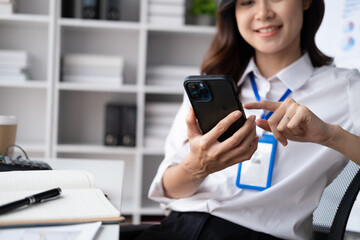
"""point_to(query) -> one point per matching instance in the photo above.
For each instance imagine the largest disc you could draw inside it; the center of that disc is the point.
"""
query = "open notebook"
(80, 200)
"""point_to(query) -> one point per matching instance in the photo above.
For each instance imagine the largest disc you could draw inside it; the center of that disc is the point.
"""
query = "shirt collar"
(251, 67)
(293, 76)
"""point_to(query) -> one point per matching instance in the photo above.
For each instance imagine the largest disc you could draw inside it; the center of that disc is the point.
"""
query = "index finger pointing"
(267, 105)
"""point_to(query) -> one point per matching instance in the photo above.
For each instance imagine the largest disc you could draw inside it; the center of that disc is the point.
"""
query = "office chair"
(331, 216)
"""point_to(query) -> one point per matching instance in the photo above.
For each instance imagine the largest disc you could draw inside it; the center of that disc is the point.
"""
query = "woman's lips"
(268, 31)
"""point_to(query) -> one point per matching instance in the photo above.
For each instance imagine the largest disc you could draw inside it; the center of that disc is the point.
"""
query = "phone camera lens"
(196, 95)
(204, 91)
(193, 87)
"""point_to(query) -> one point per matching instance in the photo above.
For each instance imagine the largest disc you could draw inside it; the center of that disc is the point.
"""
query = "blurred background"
(102, 79)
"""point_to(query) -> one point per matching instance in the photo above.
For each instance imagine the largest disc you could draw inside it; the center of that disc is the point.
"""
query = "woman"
(268, 47)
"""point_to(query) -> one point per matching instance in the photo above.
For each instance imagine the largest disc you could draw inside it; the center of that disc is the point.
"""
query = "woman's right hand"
(208, 155)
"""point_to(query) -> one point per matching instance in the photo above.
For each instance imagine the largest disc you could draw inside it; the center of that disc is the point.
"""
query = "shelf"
(94, 149)
(67, 119)
(150, 207)
(97, 87)
(25, 18)
(183, 29)
(35, 84)
(151, 151)
(127, 207)
(165, 90)
(152, 211)
(98, 24)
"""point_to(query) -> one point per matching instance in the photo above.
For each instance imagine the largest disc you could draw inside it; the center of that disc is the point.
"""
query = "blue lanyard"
(254, 87)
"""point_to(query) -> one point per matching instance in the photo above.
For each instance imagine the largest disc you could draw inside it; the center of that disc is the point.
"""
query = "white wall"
(332, 36)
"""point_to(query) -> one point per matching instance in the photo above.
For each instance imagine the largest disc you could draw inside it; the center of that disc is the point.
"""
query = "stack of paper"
(84, 231)
(166, 12)
(7, 6)
(13, 65)
(168, 75)
(159, 117)
(89, 68)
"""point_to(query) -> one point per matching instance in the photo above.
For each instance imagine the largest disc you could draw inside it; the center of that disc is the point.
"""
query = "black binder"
(113, 10)
(68, 8)
(90, 9)
(120, 125)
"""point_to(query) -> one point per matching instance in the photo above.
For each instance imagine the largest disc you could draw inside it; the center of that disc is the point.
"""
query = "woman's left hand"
(292, 121)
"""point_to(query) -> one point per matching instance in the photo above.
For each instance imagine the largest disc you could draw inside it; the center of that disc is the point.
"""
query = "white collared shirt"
(301, 170)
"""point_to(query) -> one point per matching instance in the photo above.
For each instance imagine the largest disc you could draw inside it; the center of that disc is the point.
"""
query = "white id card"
(256, 173)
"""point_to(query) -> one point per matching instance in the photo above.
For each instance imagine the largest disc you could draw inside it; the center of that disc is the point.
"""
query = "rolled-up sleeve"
(354, 98)
(176, 149)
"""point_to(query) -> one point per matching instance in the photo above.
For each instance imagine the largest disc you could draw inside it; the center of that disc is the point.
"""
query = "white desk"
(108, 176)
(108, 232)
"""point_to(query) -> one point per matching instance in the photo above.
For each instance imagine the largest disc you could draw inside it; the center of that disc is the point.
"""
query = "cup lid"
(8, 120)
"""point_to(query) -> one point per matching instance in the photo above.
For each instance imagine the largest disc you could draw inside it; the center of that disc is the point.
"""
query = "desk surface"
(108, 176)
(108, 232)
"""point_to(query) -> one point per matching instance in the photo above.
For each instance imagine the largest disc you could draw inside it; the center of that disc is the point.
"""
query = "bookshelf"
(66, 120)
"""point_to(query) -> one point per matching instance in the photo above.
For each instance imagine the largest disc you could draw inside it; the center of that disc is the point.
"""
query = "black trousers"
(200, 226)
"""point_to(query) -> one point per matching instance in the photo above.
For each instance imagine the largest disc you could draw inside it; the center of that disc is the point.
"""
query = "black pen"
(36, 198)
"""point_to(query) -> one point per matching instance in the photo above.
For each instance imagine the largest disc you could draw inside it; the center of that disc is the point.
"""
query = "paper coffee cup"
(8, 126)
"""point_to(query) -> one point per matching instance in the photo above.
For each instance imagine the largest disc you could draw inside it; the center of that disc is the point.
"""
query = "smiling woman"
(210, 187)
(272, 28)
(230, 53)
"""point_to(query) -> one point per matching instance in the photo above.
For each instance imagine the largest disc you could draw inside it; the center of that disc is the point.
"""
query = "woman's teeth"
(267, 30)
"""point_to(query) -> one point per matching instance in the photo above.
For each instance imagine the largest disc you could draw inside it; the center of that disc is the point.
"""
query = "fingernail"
(237, 114)
(252, 118)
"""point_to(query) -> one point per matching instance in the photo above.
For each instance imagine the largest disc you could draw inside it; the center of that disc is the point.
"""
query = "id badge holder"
(256, 173)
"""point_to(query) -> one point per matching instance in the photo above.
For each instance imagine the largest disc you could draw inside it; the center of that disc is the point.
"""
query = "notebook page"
(45, 179)
(73, 204)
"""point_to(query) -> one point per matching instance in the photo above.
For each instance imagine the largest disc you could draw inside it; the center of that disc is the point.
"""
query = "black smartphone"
(213, 97)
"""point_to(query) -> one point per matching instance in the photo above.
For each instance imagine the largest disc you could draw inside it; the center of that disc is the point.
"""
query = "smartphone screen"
(213, 97)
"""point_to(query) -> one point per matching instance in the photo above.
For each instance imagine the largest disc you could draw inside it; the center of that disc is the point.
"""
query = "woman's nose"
(264, 10)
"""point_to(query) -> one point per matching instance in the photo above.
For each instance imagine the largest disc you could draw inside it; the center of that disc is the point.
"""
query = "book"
(174, 2)
(172, 70)
(166, 9)
(92, 80)
(163, 109)
(13, 77)
(15, 66)
(154, 142)
(92, 68)
(80, 201)
(13, 56)
(169, 75)
(93, 60)
(92, 71)
(157, 131)
(166, 13)
(166, 20)
(7, 7)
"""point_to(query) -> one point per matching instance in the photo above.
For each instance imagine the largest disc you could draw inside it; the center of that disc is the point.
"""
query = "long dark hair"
(229, 53)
